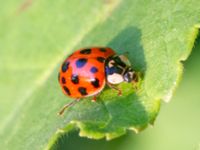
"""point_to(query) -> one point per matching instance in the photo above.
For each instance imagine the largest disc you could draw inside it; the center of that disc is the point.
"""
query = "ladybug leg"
(115, 88)
(66, 106)
(94, 98)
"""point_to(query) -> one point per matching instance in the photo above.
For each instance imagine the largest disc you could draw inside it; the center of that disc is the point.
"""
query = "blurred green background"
(177, 126)
(32, 42)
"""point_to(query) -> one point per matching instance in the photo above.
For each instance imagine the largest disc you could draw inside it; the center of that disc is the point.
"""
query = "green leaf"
(36, 36)
(177, 122)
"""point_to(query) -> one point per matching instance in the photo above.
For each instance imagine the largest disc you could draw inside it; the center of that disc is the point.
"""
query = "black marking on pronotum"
(101, 59)
(66, 90)
(74, 79)
(65, 66)
(81, 62)
(119, 61)
(113, 69)
(82, 90)
(95, 83)
(85, 51)
(63, 80)
(118, 70)
(102, 49)
(93, 70)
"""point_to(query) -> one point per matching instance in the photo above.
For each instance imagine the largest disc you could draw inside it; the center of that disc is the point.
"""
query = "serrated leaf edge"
(77, 124)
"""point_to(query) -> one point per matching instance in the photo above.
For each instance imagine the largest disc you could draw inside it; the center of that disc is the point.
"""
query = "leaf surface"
(35, 38)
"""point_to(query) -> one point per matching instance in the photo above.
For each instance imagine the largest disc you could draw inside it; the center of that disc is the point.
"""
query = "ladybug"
(86, 72)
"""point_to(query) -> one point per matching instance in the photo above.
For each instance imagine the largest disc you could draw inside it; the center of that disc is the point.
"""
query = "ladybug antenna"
(126, 53)
(66, 106)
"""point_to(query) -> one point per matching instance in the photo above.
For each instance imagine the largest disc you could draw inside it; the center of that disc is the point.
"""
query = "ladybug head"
(118, 70)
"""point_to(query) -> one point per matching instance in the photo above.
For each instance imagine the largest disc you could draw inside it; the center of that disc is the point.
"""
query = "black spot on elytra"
(63, 80)
(95, 83)
(75, 79)
(65, 66)
(82, 90)
(81, 62)
(66, 90)
(101, 59)
(102, 49)
(85, 51)
(93, 70)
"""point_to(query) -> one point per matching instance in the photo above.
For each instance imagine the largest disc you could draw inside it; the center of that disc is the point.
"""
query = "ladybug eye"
(128, 75)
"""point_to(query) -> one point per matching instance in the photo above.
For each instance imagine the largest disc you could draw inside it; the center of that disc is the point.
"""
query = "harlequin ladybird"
(86, 72)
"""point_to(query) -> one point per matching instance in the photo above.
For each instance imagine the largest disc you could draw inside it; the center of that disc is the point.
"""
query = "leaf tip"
(168, 96)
